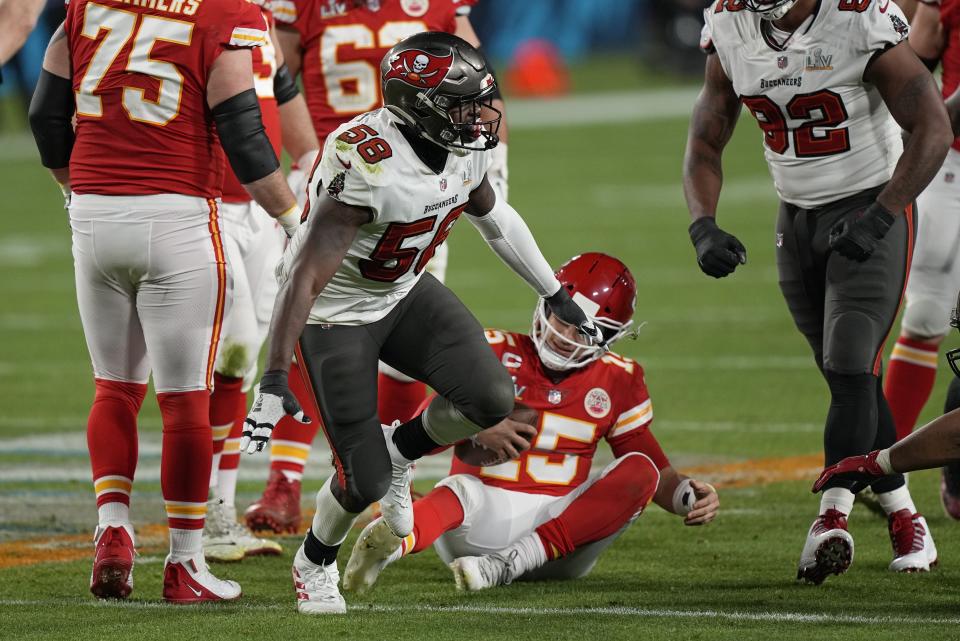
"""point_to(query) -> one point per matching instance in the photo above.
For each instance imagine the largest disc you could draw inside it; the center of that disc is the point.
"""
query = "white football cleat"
(224, 539)
(316, 586)
(190, 581)
(913, 547)
(397, 504)
(472, 573)
(828, 550)
(376, 548)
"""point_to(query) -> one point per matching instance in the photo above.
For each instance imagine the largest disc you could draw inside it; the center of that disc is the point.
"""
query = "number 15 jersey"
(827, 132)
(368, 163)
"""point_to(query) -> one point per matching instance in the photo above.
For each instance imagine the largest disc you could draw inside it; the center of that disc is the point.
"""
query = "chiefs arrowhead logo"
(419, 68)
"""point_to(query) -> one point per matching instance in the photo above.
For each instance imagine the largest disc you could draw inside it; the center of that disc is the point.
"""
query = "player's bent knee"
(491, 402)
(851, 344)
(925, 319)
(638, 477)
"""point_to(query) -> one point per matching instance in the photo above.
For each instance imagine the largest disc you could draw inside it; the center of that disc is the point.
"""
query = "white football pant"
(152, 287)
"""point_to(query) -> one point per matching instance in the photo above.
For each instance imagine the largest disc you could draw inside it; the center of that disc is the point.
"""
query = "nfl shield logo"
(782, 62)
(443, 184)
(554, 397)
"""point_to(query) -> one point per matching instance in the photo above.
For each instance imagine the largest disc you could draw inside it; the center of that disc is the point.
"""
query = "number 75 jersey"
(367, 163)
(827, 133)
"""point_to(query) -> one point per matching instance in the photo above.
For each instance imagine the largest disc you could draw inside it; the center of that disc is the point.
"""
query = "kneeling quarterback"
(543, 515)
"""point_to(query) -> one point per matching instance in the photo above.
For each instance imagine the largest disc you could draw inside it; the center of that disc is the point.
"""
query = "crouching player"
(542, 515)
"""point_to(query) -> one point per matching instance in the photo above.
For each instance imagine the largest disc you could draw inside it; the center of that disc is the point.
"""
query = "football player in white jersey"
(828, 81)
(388, 188)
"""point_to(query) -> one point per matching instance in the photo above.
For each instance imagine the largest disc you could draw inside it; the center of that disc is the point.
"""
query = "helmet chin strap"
(778, 12)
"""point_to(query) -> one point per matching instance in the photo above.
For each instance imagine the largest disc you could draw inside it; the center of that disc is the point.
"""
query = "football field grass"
(737, 401)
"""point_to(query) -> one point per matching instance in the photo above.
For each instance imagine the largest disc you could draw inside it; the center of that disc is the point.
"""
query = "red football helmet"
(606, 291)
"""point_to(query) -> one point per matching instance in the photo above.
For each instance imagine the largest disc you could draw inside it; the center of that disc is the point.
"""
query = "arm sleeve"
(509, 237)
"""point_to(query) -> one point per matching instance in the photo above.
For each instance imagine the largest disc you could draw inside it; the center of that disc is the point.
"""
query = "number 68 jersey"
(367, 163)
(827, 133)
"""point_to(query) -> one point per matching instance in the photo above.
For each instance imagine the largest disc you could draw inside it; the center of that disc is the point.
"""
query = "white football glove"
(497, 172)
(274, 401)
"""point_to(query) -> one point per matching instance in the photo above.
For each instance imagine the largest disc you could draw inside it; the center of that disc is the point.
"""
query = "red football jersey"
(264, 71)
(343, 42)
(607, 399)
(139, 75)
(950, 19)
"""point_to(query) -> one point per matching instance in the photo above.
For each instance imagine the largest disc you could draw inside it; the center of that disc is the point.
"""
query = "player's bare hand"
(564, 307)
(507, 439)
(718, 253)
(706, 506)
(274, 400)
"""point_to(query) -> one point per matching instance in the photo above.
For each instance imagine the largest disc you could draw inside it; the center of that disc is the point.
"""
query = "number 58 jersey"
(367, 163)
(827, 133)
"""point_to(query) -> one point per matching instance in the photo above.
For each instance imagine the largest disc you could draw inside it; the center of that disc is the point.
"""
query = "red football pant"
(398, 400)
(290, 442)
(438, 512)
(112, 438)
(610, 503)
(185, 460)
(910, 377)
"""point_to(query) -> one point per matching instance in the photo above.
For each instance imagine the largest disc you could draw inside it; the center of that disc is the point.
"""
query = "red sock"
(610, 503)
(227, 395)
(112, 439)
(291, 441)
(398, 400)
(185, 459)
(910, 376)
(438, 512)
(230, 459)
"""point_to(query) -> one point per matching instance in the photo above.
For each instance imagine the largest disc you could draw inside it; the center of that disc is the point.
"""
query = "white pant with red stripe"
(494, 517)
(254, 245)
(152, 287)
(935, 272)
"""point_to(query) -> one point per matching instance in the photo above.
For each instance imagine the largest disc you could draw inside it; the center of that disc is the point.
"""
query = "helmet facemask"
(457, 124)
(561, 353)
(769, 9)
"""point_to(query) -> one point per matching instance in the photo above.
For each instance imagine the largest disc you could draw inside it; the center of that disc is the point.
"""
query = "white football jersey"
(367, 162)
(827, 133)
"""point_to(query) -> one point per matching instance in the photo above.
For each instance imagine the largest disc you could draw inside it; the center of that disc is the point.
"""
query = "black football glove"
(718, 253)
(274, 401)
(856, 236)
(570, 313)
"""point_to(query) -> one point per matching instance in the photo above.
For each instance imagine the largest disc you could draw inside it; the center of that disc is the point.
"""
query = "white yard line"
(617, 611)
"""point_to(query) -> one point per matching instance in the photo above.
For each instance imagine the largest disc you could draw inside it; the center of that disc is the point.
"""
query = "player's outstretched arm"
(696, 501)
(913, 99)
(51, 111)
(236, 112)
(509, 237)
(714, 118)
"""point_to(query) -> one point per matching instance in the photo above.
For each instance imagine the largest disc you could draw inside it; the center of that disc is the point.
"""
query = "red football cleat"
(112, 576)
(278, 510)
(190, 581)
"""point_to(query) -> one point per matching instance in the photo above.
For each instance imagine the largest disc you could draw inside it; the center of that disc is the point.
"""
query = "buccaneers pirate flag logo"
(419, 68)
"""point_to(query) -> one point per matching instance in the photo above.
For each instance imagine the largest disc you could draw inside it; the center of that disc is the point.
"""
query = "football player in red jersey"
(336, 47)
(253, 244)
(152, 88)
(543, 515)
(935, 271)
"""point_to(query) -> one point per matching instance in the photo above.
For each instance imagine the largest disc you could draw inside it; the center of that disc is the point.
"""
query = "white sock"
(227, 486)
(331, 522)
(114, 513)
(290, 475)
(837, 498)
(214, 470)
(530, 555)
(185, 544)
(896, 500)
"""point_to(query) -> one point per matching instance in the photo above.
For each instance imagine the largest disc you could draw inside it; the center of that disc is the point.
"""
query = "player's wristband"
(684, 497)
(290, 220)
(284, 87)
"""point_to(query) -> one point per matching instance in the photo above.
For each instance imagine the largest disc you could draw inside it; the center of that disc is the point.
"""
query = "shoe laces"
(217, 521)
(320, 578)
(277, 491)
(831, 520)
(400, 485)
(501, 568)
(906, 532)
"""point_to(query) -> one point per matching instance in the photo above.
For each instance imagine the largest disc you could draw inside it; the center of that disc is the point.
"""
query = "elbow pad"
(284, 88)
(243, 137)
(51, 114)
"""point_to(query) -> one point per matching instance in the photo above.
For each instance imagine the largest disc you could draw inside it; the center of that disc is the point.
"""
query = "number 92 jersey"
(140, 70)
(607, 399)
(343, 42)
(368, 163)
(827, 133)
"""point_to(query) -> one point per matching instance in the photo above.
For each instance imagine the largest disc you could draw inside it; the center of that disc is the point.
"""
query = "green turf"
(731, 380)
